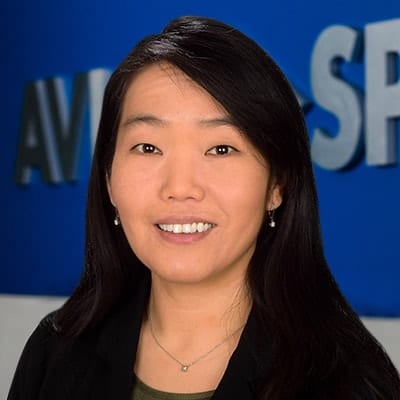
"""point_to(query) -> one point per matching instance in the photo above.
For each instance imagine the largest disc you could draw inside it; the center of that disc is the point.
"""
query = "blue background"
(42, 224)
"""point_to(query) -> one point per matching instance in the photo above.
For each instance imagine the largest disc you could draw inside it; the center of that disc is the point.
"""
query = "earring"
(117, 221)
(271, 222)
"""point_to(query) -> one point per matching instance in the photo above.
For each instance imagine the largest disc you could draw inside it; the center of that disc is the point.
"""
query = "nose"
(182, 179)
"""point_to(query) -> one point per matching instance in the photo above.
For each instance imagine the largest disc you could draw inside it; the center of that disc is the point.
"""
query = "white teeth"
(177, 228)
(186, 228)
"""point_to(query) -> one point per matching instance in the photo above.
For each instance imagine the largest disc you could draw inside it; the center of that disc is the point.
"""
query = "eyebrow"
(218, 121)
(143, 119)
(156, 121)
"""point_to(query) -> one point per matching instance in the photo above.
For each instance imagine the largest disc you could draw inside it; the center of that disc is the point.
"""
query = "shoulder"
(43, 337)
(32, 363)
(368, 375)
(52, 363)
(55, 365)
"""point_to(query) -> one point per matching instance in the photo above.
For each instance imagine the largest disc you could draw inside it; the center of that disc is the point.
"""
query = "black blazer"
(99, 365)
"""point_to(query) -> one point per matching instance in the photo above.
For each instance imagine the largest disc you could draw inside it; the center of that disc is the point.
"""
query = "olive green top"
(143, 392)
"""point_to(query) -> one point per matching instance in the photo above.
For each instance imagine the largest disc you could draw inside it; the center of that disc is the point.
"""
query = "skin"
(179, 159)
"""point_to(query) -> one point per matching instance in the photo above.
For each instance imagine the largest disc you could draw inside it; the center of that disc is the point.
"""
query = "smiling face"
(190, 189)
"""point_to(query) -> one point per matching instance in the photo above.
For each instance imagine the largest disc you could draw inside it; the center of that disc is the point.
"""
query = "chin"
(182, 275)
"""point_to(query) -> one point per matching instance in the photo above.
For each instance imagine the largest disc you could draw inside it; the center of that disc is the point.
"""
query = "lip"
(183, 238)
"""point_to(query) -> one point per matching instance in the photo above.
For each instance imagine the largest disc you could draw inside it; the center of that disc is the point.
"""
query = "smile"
(195, 227)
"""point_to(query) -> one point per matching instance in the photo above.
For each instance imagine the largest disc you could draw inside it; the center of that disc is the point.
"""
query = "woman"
(205, 275)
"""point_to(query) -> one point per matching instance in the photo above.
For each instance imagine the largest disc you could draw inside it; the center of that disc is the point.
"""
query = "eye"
(221, 150)
(146, 148)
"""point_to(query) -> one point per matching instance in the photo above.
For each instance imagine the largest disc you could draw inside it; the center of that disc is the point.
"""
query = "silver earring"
(271, 222)
(117, 221)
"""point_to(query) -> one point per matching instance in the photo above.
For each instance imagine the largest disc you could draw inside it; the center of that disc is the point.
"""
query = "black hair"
(317, 340)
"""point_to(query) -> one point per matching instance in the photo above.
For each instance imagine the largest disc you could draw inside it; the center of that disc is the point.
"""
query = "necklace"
(185, 367)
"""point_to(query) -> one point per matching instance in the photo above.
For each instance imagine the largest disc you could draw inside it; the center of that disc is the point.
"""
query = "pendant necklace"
(185, 367)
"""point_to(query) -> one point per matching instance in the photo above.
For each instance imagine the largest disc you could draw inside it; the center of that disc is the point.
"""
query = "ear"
(274, 199)
(109, 189)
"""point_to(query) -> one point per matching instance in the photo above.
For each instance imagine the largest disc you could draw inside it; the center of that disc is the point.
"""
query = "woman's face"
(190, 190)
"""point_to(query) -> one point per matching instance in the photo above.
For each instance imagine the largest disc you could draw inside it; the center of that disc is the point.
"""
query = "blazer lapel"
(117, 347)
(247, 366)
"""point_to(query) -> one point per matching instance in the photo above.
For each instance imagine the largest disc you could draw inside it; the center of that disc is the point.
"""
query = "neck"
(198, 308)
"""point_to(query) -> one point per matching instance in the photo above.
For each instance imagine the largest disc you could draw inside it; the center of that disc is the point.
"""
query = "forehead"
(164, 88)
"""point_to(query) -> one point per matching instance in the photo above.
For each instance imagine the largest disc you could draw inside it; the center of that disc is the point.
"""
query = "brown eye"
(146, 148)
(221, 150)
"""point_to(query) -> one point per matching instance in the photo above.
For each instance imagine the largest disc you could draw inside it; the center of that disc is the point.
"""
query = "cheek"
(132, 202)
(129, 190)
(247, 188)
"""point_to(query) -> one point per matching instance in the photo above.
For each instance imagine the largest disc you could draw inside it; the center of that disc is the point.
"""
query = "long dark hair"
(318, 343)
